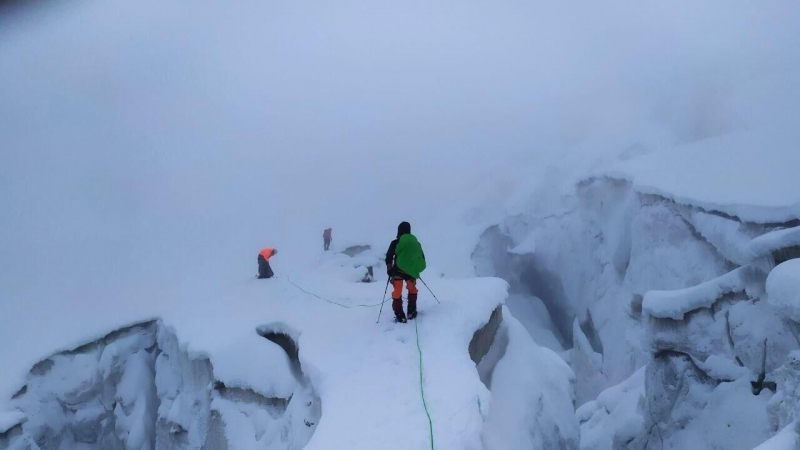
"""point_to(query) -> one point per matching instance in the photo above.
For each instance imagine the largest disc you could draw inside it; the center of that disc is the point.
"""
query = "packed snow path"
(368, 374)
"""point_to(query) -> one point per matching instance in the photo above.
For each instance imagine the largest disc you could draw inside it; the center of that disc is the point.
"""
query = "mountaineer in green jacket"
(404, 261)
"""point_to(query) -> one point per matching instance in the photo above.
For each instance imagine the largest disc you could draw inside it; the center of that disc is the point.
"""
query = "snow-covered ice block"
(530, 408)
(721, 368)
(719, 174)
(616, 417)
(675, 304)
(585, 361)
(783, 288)
(730, 237)
(528, 245)
(732, 418)
(252, 362)
(786, 439)
(666, 253)
(784, 407)
(762, 338)
(136, 402)
(700, 334)
(772, 241)
(688, 409)
(10, 419)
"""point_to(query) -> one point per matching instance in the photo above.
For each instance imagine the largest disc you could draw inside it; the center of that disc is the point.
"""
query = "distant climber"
(404, 262)
(326, 238)
(264, 270)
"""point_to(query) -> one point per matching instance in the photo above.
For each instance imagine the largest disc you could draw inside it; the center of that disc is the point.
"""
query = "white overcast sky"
(145, 144)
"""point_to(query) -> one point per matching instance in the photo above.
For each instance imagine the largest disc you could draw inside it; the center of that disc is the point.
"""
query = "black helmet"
(403, 228)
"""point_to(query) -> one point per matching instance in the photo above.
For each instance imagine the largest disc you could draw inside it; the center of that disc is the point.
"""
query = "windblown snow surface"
(607, 196)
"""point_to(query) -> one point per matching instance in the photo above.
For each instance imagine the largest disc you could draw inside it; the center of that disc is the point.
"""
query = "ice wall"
(137, 389)
(663, 307)
(571, 282)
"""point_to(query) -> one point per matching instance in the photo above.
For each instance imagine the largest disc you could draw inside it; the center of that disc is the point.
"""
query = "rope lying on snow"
(419, 349)
(421, 385)
(335, 303)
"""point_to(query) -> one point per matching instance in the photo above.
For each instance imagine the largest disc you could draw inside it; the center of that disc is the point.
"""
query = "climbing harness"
(416, 330)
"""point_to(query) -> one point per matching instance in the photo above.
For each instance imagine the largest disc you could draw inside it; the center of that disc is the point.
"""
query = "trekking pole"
(429, 290)
(383, 299)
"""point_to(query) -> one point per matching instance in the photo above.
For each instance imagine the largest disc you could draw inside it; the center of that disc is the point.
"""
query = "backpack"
(408, 255)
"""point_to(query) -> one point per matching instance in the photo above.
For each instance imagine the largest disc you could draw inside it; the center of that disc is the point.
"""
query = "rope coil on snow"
(419, 349)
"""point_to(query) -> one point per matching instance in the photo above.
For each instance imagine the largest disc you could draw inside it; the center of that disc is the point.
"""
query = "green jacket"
(409, 256)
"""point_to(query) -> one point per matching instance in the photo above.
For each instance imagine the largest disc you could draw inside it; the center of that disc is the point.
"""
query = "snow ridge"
(675, 304)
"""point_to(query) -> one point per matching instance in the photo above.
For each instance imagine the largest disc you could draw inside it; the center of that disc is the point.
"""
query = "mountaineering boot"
(397, 306)
(412, 306)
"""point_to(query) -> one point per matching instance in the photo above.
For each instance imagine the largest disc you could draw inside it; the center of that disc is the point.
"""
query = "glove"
(389, 270)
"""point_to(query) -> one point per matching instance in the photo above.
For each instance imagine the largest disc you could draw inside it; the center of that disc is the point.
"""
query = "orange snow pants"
(397, 293)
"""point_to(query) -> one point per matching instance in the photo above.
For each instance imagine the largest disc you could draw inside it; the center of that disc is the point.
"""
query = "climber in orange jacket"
(264, 270)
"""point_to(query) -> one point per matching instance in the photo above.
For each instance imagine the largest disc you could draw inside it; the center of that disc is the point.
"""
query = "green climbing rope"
(419, 349)
(371, 305)
(421, 384)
